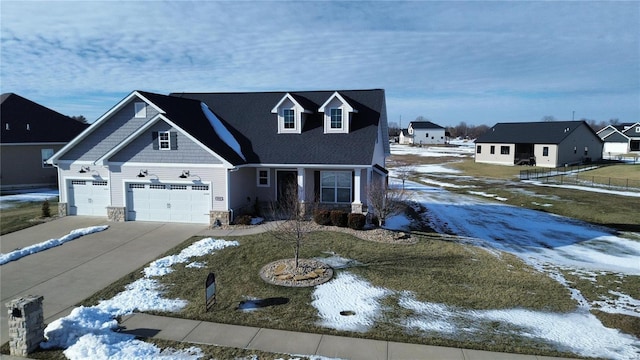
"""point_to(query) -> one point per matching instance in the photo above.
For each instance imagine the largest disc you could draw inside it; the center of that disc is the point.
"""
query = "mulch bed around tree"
(284, 273)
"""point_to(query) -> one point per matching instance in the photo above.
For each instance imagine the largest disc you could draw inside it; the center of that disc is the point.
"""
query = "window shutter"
(154, 140)
(316, 186)
(353, 185)
(174, 140)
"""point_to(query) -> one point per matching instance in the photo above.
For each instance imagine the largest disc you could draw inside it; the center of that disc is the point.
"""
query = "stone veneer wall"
(62, 209)
(26, 325)
(116, 213)
(223, 217)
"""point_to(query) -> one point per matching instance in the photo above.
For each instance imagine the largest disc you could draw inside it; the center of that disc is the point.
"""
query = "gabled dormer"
(291, 115)
(337, 114)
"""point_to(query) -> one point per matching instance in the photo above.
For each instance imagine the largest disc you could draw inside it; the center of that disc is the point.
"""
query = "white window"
(140, 109)
(164, 140)
(289, 117)
(638, 129)
(336, 118)
(263, 177)
(46, 154)
(335, 186)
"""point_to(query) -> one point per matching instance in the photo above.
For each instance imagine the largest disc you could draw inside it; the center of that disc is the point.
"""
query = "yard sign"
(210, 291)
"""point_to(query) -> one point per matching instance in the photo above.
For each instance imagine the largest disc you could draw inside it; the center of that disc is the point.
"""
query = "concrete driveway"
(68, 274)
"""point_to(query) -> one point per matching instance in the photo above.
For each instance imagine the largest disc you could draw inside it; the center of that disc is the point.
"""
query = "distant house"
(615, 142)
(31, 133)
(423, 133)
(209, 157)
(404, 137)
(547, 144)
(633, 133)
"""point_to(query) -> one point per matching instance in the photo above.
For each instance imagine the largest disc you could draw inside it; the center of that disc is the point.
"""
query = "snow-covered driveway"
(537, 237)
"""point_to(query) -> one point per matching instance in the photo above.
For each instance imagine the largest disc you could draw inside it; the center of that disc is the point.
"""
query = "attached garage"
(88, 197)
(188, 203)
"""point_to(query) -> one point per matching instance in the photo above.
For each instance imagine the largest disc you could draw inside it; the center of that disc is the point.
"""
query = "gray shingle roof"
(546, 132)
(45, 125)
(425, 125)
(250, 120)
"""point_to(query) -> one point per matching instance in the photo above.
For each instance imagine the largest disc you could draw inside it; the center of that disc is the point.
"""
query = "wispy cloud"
(537, 58)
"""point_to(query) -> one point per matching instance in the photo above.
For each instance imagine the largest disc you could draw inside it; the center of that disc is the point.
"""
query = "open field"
(23, 215)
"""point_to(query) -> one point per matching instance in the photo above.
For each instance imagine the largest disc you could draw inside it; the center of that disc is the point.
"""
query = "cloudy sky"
(480, 62)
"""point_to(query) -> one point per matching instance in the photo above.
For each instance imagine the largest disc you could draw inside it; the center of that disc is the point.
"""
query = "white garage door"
(88, 197)
(168, 202)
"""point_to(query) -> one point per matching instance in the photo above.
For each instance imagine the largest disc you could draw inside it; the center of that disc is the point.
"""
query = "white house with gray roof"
(207, 157)
(423, 133)
(546, 144)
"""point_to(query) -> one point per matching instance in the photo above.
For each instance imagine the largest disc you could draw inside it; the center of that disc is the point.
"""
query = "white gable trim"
(606, 127)
(96, 124)
(288, 96)
(337, 95)
(160, 117)
(298, 111)
(632, 130)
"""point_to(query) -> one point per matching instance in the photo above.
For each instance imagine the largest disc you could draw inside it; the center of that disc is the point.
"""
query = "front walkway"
(297, 343)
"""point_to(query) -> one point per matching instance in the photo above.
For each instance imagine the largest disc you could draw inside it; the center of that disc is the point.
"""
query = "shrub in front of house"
(322, 217)
(243, 220)
(357, 221)
(46, 210)
(339, 218)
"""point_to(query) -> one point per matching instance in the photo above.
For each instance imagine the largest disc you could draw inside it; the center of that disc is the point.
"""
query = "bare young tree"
(403, 172)
(385, 201)
(291, 219)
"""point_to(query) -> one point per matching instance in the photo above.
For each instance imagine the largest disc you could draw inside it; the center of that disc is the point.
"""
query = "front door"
(287, 185)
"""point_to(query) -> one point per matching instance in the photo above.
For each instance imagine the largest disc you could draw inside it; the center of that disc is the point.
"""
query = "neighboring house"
(31, 133)
(546, 144)
(423, 133)
(207, 157)
(404, 137)
(615, 142)
(633, 133)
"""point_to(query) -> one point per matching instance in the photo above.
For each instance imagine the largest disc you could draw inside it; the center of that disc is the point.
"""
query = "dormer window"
(289, 118)
(291, 114)
(337, 114)
(336, 118)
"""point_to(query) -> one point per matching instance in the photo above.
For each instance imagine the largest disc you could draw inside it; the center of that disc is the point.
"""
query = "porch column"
(301, 192)
(356, 205)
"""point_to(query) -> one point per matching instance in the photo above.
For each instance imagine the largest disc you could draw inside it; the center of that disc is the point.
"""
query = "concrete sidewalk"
(296, 343)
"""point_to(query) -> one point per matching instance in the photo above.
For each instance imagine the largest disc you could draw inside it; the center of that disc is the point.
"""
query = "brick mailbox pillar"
(26, 324)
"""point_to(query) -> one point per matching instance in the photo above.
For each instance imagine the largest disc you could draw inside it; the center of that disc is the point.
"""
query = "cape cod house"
(30, 134)
(546, 144)
(207, 157)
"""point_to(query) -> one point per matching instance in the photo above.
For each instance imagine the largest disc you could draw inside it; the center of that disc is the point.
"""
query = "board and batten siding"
(142, 150)
(214, 177)
(109, 134)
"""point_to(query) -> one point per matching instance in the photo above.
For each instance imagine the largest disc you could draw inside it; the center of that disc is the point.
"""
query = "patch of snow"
(347, 292)
(623, 304)
(442, 184)
(579, 332)
(397, 222)
(257, 220)
(539, 204)
(338, 262)
(36, 248)
(431, 151)
(196, 265)
(31, 195)
(88, 331)
(222, 130)
(482, 193)
(439, 168)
